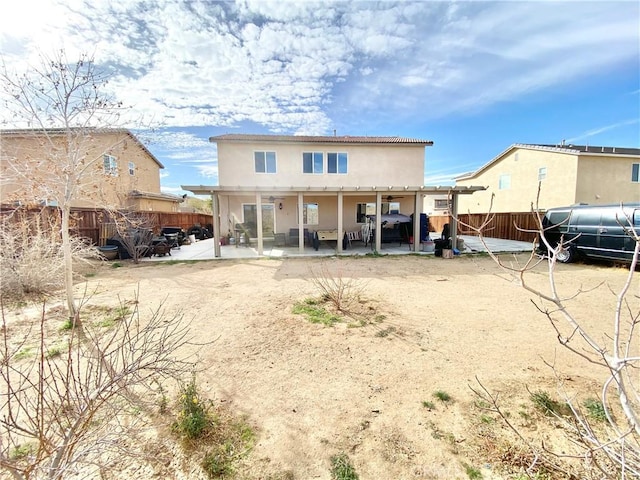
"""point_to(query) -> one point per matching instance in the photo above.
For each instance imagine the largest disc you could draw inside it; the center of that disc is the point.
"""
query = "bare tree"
(63, 103)
(616, 451)
(73, 406)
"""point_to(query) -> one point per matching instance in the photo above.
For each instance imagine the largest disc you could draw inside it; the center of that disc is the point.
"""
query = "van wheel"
(566, 255)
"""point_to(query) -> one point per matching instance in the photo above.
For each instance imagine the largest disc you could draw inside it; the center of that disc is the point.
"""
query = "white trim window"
(505, 182)
(313, 162)
(542, 173)
(310, 214)
(441, 204)
(110, 165)
(132, 169)
(265, 162)
(635, 172)
(337, 162)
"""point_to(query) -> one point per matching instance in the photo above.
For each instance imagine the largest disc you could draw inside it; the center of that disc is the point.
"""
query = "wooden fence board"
(96, 225)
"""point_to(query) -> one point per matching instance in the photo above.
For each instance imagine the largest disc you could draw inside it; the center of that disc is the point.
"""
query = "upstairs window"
(110, 165)
(504, 182)
(132, 169)
(265, 162)
(542, 173)
(635, 172)
(337, 162)
(312, 162)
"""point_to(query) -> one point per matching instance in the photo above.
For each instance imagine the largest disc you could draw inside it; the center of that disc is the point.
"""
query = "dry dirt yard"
(311, 391)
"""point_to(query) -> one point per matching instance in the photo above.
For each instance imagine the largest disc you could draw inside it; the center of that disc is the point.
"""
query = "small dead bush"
(341, 291)
(31, 258)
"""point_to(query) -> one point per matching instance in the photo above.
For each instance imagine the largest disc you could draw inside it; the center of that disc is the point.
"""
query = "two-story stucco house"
(566, 175)
(287, 185)
(118, 171)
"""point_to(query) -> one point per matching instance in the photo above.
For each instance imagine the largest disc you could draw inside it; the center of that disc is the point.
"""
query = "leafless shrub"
(335, 287)
(31, 257)
(135, 232)
(614, 451)
(78, 412)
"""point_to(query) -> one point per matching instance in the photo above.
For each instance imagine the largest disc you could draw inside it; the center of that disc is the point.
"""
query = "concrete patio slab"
(203, 250)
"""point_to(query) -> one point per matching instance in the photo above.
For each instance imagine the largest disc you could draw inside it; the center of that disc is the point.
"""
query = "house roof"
(61, 131)
(167, 197)
(240, 137)
(581, 150)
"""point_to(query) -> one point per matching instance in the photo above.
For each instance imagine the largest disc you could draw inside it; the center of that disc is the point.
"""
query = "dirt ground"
(312, 391)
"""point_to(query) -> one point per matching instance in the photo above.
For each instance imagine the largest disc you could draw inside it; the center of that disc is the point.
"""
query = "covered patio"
(290, 206)
(204, 250)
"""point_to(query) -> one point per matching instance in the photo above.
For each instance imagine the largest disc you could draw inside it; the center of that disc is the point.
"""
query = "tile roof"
(569, 149)
(240, 137)
(582, 149)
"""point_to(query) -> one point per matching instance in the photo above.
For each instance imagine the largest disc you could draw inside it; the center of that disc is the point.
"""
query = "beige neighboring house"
(281, 186)
(121, 174)
(567, 175)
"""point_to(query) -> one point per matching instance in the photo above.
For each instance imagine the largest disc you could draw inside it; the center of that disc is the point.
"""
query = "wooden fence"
(94, 224)
(519, 226)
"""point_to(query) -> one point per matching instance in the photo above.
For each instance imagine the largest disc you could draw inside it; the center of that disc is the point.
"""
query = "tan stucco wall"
(35, 158)
(557, 189)
(368, 165)
(606, 180)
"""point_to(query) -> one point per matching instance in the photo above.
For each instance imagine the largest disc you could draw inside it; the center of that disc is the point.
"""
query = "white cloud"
(303, 66)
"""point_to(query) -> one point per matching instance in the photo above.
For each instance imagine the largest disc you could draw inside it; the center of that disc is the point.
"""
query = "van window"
(636, 218)
(557, 218)
(586, 217)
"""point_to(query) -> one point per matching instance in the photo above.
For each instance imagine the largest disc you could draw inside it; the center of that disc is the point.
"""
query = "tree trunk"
(68, 265)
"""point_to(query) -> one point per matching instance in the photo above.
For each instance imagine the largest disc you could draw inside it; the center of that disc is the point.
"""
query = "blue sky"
(474, 77)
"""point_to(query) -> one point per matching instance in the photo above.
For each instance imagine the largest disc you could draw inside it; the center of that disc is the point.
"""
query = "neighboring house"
(121, 172)
(279, 184)
(566, 174)
(437, 205)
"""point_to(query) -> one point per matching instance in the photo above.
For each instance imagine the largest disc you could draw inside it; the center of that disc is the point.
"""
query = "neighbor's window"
(132, 168)
(337, 162)
(505, 182)
(310, 214)
(542, 173)
(441, 204)
(110, 165)
(364, 209)
(312, 162)
(265, 162)
(635, 172)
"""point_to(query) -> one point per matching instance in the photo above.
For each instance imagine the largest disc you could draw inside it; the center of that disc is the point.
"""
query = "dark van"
(599, 231)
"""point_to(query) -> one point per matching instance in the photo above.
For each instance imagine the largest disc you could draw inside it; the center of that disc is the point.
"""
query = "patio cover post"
(453, 228)
(259, 221)
(378, 221)
(417, 211)
(340, 226)
(217, 234)
(300, 222)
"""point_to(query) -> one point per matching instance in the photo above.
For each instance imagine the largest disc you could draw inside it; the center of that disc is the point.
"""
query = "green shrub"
(547, 405)
(442, 396)
(193, 416)
(342, 469)
(472, 472)
(595, 409)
